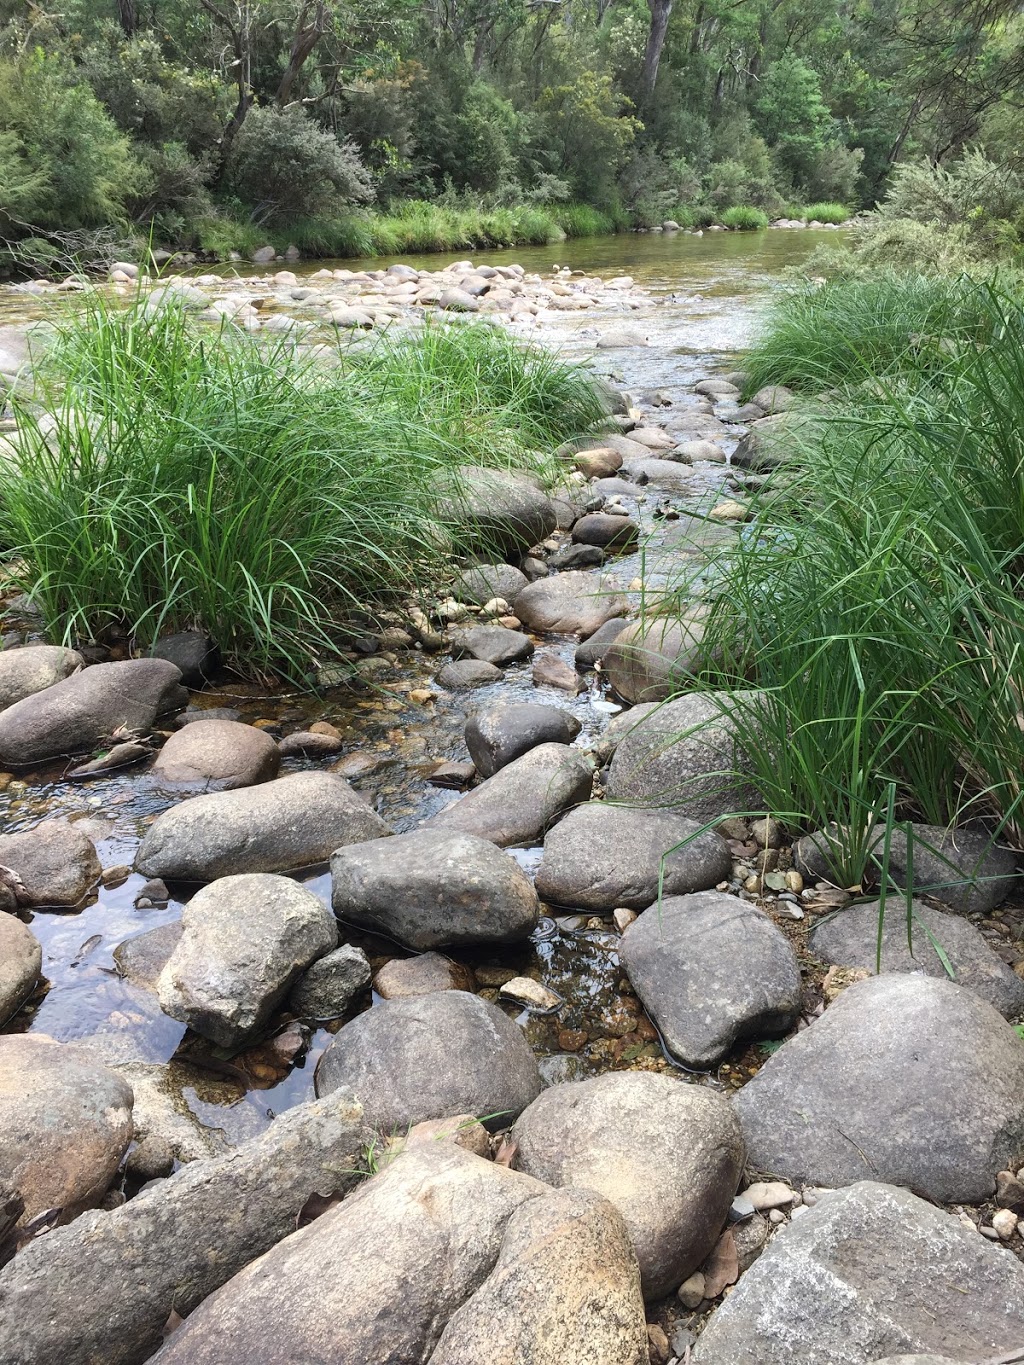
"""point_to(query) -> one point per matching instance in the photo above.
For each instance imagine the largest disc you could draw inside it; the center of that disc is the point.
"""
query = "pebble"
(741, 1209)
(623, 918)
(1004, 1221)
(691, 1292)
(770, 1194)
(525, 991)
(776, 1216)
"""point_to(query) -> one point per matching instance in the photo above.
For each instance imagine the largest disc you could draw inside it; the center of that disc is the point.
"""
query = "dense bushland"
(188, 478)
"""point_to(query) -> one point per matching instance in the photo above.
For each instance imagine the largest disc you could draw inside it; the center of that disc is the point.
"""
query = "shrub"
(286, 167)
(825, 213)
(743, 218)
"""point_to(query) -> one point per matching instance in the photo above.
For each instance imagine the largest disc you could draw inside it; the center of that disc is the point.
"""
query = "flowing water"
(705, 296)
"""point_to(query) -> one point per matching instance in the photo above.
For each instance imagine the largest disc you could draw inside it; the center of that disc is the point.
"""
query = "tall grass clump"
(744, 218)
(186, 477)
(825, 213)
(876, 605)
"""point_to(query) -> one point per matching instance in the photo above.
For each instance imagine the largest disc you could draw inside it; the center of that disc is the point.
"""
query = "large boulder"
(602, 856)
(104, 1288)
(492, 510)
(55, 863)
(515, 806)
(650, 660)
(75, 715)
(65, 1124)
(565, 1287)
(686, 755)
(508, 730)
(569, 603)
(483, 582)
(914, 1079)
(492, 644)
(373, 1281)
(605, 744)
(32, 668)
(773, 441)
(668, 1155)
(427, 1056)
(295, 821)
(868, 1272)
(21, 960)
(430, 888)
(223, 754)
(712, 969)
(246, 939)
(850, 939)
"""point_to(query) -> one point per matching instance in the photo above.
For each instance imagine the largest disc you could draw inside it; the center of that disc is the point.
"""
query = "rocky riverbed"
(376, 981)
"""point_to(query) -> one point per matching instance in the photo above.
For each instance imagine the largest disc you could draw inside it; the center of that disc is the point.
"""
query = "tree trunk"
(660, 11)
(307, 35)
(128, 17)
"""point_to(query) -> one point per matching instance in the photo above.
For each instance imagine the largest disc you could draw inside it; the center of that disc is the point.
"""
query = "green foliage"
(241, 486)
(826, 213)
(794, 115)
(744, 218)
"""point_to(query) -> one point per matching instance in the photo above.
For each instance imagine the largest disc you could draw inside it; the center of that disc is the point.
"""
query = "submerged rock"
(428, 1056)
(508, 730)
(55, 863)
(222, 753)
(294, 821)
(32, 668)
(430, 888)
(668, 1155)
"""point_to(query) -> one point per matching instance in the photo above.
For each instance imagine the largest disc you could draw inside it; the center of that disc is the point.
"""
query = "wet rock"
(565, 1287)
(21, 959)
(452, 775)
(596, 646)
(850, 939)
(224, 754)
(599, 462)
(673, 475)
(120, 756)
(531, 994)
(245, 940)
(55, 863)
(430, 888)
(712, 969)
(486, 581)
(468, 673)
(508, 730)
(77, 714)
(206, 713)
(65, 1124)
(142, 958)
(685, 755)
(668, 1155)
(576, 557)
(621, 338)
(422, 975)
(492, 644)
(194, 654)
(650, 660)
(492, 510)
(294, 821)
(915, 1079)
(602, 856)
(771, 442)
(569, 603)
(961, 867)
(163, 1121)
(428, 1056)
(104, 1288)
(32, 668)
(458, 301)
(551, 671)
(695, 451)
(867, 1272)
(606, 531)
(327, 987)
(515, 806)
(716, 388)
(310, 744)
(373, 1281)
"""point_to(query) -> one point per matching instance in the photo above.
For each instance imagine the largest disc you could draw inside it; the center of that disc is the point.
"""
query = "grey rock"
(621, 338)
(605, 744)
(32, 668)
(422, 975)
(601, 856)
(916, 1080)
(194, 654)
(104, 1288)
(565, 1287)
(685, 755)
(596, 646)
(712, 969)
(674, 475)
(569, 603)
(696, 451)
(668, 1155)
(480, 584)
(491, 510)
(142, 958)
(245, 940)
(295, 821)
(327, 987)
(850, 939)
(78, 713)
(309, 744)
(458, 301)
(468, 673)
(650, 660)
(431, 887)
(206, 713)
(868, 1272)
(55, 862)
(774, 398)
(515, 806)
(772, 441)
(65, 1124)
(507, 731)
(165, 1121)
(222, 754)
(606, 531)
(493, 644)
(330, 1292)
(429, 1056)
(575, 557)
(21, 959)
(716, 388)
